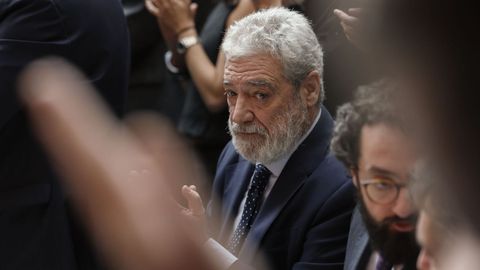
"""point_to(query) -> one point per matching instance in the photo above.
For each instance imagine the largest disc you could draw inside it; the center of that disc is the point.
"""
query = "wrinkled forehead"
(386, 150)
(260, 68)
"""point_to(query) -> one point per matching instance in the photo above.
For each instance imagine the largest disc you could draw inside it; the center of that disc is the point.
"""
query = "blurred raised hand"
(350, 21)
(123, 176)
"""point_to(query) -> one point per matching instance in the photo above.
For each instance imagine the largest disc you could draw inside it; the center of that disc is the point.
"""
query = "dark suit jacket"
(36, 230)
(304, 222)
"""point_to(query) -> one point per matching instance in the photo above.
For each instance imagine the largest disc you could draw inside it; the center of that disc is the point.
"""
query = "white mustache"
(250, 128)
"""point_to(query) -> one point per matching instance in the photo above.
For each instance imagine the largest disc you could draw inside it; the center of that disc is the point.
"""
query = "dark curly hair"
(372, 104)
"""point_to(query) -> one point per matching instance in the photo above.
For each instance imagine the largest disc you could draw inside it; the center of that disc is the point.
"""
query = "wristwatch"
(186, 42)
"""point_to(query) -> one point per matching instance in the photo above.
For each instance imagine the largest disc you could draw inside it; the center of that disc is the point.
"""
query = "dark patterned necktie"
(383, 264)
(250, 210)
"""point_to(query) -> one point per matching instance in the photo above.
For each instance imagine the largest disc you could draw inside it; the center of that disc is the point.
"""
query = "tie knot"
(260, 168)
(260, 176)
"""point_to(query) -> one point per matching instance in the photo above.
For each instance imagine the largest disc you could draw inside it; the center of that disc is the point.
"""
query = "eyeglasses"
(381, 191)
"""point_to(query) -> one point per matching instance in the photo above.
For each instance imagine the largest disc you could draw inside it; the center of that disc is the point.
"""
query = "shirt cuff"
(168, 63)
(224, 259)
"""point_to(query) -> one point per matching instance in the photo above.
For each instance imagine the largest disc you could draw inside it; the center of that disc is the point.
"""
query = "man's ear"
(354, 174)
(310, 88)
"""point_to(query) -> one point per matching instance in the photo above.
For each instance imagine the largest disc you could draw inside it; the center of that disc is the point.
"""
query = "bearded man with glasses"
(370, 138)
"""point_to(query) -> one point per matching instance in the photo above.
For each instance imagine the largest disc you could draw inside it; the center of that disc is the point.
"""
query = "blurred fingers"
(194, 9)
(152, 8)
(117, 185)
(356, 12)
(194, 200)
(345, 18)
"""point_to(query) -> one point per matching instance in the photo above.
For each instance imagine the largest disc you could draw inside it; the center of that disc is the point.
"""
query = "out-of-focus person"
(198, 63)
(370, 138)
(37, 228)
(122, 176)
(447, 240)
(280, 191)
(436, 56)
(462, 252)
(437, 221)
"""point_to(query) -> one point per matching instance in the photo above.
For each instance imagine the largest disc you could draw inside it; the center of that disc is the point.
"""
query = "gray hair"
(285, 34)
(372, 104)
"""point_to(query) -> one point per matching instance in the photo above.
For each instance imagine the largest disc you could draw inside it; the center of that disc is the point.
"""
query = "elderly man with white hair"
(278, 193)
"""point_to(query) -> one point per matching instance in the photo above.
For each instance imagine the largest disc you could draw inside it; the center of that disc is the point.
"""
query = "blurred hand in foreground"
(122, 176)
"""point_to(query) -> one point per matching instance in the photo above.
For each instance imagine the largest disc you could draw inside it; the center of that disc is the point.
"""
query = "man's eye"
(261, 96)
(230, 93)
(383, 185)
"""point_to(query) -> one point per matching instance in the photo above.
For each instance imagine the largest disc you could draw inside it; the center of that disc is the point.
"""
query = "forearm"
(170, 39)
(206, 75)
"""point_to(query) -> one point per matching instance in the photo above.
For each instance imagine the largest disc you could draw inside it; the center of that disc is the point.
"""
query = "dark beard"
(396, 247)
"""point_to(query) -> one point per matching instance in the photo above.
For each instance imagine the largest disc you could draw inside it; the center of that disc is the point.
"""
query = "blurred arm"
(120, 176)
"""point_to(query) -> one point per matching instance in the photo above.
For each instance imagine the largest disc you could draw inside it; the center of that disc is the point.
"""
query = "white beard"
(287, 129)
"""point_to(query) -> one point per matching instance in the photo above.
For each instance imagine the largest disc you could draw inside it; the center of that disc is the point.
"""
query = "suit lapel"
(357, 244)
(358, 252)
(238, 176)
(299, 167)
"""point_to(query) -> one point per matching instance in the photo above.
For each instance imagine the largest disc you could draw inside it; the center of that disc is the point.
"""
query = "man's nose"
(404, 206)
(241, 112)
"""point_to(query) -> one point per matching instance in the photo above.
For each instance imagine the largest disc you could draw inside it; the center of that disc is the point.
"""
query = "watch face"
(185, 43)
(180, 48)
